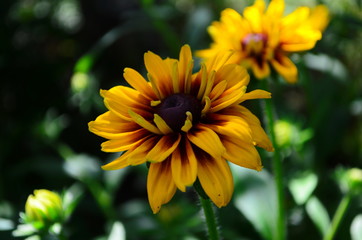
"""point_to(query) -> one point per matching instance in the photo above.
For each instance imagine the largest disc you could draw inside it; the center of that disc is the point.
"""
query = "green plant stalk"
(209, 218)
(280, 233)
(338, 216)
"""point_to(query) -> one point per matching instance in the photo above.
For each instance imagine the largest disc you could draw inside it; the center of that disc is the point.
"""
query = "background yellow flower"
(264, 37)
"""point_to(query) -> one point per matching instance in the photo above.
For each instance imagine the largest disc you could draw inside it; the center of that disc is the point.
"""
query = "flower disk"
(264, 37)
(173, 110)
(187, 126)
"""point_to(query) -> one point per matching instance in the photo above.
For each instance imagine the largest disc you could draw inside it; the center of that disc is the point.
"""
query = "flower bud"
(43, 207)
(354, 178)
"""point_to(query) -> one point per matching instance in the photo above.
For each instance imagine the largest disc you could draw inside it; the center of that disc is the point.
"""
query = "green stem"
(209, 218)
(278, 171)
(338, 216)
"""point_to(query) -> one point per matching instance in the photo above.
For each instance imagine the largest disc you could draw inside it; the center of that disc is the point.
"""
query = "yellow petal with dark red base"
(261, 70)
(161, 74)
(130, 140)
(160, 185)
(241, 153)
(285, 67)
(109, 125)
(233, 126)
(206, 139)
(120, 99)
(164, 148)
(215, 178)
(118, 163)
(257, 132)
(184, 165)
(139, 83)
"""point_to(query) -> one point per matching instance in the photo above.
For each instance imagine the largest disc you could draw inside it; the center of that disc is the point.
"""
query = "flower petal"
(119, 163)
(144, 123)
(260, 69)
(160, 185)
(232, 126)
(184, 165)
(185, 66)
(258, 134)
(241, 153)
(207, 140)
(285, 67)
(139, 83)
(161, 125)
(109, 125)
(138, 154)
(228, 98)
(164, 148)
(216, 179)
(255, 94)
(276, 8)
(129, 140)
(120, 99)
(161, 74)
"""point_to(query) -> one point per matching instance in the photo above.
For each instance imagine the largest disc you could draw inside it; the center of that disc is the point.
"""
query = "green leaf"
(118, 232)
(85, 63)
(356, 228)
(256, 199)
(82, 167)
(318, 214)
(303, 186)
(71, 198)
(24, 230)
(6, 224)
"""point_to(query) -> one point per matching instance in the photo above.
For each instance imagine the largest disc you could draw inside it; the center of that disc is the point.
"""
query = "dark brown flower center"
(254, 43)
(173, 110)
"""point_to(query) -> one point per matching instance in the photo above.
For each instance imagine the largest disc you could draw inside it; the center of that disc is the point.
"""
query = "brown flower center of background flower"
(173, 110)
(254, 43)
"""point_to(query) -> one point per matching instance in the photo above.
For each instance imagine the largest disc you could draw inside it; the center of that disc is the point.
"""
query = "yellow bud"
(354, 178)
(283, 132)
(44, 206)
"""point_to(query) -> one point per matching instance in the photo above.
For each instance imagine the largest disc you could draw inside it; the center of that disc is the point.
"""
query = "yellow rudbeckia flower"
(264, 37)
(187, 126)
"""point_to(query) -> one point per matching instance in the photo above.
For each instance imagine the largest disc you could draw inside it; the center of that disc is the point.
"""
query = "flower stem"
(209, 218)
(280, 234)
(338, 216)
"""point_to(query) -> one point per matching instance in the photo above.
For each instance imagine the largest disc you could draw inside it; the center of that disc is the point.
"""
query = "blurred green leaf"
(302, 186)
(356, 228)
(118, 232)
(24, 230)
(318, 214)
(85, 63)
(114, 178)
(82, 167)
(255, 197)
(71, 198)
(6, 224)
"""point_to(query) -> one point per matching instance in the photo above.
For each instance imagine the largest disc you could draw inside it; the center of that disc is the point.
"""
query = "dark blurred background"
(55, 55)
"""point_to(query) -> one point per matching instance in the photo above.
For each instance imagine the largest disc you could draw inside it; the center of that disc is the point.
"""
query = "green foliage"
(56, 55)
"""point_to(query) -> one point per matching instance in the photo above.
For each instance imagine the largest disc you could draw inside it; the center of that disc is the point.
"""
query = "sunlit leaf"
(118, 232)
(6, 224)
(255, 197)
(71, 198)
(302, 187)
(356, 228)
(82, 167)
(318, 214)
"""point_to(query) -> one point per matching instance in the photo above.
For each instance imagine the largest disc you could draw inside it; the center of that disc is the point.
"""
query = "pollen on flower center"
(254, 43)
(173, 110)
